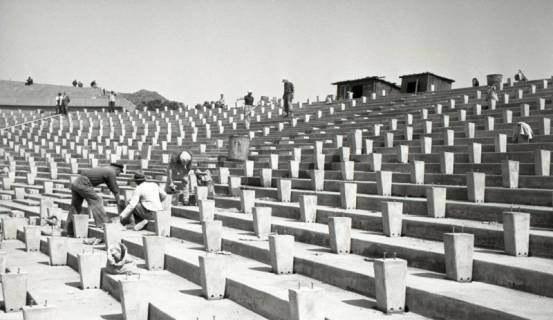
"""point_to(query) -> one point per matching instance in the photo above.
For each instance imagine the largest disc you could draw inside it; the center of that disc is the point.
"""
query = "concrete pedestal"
(224, 174)
(375, 162)
(390, 284)
(436, 202)
(266, 177)
(213, 235)
(462, 115)
(417, 172)
(392, 215)
(247, 201)
(426, 145)
(524, 110)
(389, 140)
(3, 261)
(284, 190)
(516, 233)
(308, 208)
(57, 250)
(305, 304)
(262, 221)
(248, 168)
(112, 234)
(90, 267)
(427, 127)
(458, 249)
(154, 252)
(80, 225)
(384, 183)
(317, 180)
(476, 186)
(347, 169)
(348, 195)
(296, 154)
(281, 250)
(340, 234)
(507, 116)
(470, 129)
(9, 228)
(542, 162)
(206, 210)
(40, 312)
(235, 182)
(500, 143)
(408, 133)
(509, 173)
(162, 225)
(273, 161)
(355, 139)
(402, 153)
(344, 154)
(544, 126)
(319, 162)
(213, 276)
(447, 162)
(32, 238)
(134, 303)
(202, 193)
(294, 169)
(449, 137)
(369, 146)
(14, 288)
(475, 152)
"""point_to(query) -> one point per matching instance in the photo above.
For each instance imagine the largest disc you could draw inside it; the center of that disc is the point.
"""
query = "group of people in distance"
(62, 103)
(147, 198)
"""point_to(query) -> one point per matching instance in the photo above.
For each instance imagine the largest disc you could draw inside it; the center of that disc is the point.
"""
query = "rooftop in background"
(381, 79)
(427, 73)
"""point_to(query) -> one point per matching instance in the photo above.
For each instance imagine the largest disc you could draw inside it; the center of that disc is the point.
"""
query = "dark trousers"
(82, 189)
(111, 106)
(138, 214)
(63, 109)
(287, 99)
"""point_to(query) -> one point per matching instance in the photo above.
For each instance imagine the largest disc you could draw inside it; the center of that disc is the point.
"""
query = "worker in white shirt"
(111, 103)
(146, 200)
(59, 99)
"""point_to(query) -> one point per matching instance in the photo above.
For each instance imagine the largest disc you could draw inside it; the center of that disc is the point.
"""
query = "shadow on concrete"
(262, 269)
(112, 316)
(324, 250)
(142, 266)
(192, 292)
(197, 248)
(75, 284)
(46, 263)
(247, 234)
(362, 303)
(429, 275)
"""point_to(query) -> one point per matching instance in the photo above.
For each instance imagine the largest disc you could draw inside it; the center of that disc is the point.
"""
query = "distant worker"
(111, 103)
(29, 81)
(522, 133)
(82, 188)
(492, 94)
(93, 84)
(519, 76)
(221, 102)
(74, 83)
(475, 82)
(248, 108)
(146, 200)
(288, 96)
(65, 104)
(178, 182)
(80, 84)
(59, 99)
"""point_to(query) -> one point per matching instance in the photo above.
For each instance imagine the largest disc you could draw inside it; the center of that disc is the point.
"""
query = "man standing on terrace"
(82, 189)
(288, 96)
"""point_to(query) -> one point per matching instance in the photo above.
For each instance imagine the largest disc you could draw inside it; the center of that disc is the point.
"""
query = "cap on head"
(139, 177)
(185, 156)
(118, 165)
(284, 80)
(250, 91)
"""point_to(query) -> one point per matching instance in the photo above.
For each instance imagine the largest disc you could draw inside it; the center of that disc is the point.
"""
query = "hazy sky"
(192, 50)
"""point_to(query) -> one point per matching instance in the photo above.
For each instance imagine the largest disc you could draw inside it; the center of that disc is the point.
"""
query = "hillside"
(149, 98)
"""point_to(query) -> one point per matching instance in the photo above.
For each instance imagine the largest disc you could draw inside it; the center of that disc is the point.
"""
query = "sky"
(191, 51)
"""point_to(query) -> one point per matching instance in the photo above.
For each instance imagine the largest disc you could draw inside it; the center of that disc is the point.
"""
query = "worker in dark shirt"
(248, 108)
(82, 189)
(288, 96)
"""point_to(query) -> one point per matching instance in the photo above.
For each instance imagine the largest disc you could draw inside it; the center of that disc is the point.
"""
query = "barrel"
(494, 80)
(238, 147)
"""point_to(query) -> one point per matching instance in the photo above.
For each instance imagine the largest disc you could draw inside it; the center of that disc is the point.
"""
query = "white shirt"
(112, 97)
(149, 195)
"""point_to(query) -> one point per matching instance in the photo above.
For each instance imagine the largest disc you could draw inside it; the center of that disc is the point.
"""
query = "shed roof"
(374, 78)
(427, 73)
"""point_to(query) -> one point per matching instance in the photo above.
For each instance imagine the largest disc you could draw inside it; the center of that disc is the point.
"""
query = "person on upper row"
(59, 99)
(288, 96)
(248, 108)
(179, 172)
(475, 82)
(522, 133)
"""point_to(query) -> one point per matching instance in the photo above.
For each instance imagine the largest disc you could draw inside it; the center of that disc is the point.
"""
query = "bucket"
(494, 80)
(238, 147)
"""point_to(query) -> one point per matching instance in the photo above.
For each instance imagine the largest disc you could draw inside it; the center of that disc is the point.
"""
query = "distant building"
(422, 82)
(365, 87)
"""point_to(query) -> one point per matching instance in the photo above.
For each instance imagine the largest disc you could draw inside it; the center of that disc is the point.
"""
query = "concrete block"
(273, 161)
(408, 133)
(427, 127)
(542, 162)
(320, 162)
(14, 288)
(248, 168)
(389, 140)
(344, 154)
(57, 250)
(306, 304)
(402, 153)
(493, 104)
(338, 141)
(355, 139)
(308, 208)
(318, 180)
(451, 103)
(224, 174)
(409, 119)
(348, 195)
(213, 276)
(524, 110)
(90, 267)
(424, 114)
(476, 186)
(500, 143)
(3, 261)
(281, 250)
(375, 162)
(38, 312)
(19, 193)
(317, 149)
(544, 126)
(458, 249)
(489, 124)
(509, 173)
(436, 202)
(475, 152)
(393, 124)
(392, 215)
(262, 221)
(247, 201)
(296, 154)
(80, 225)
(516, 233)
(541, 103)
(294, 169)
(154, 252)
(470, 129)
(384, 183)
(390, 277)
(235, 182)
(212, 232)
(426, 145)
(9, 228)
(162, 223)
(284, 190)
(134, 302)
(206, 210)
(507, 116)
(462, 115)
(346, 168)
(449, 137)
(447, 162)
(417, 172)
(340, 234)
(112, 234)
(477, 109)
(266, 177)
